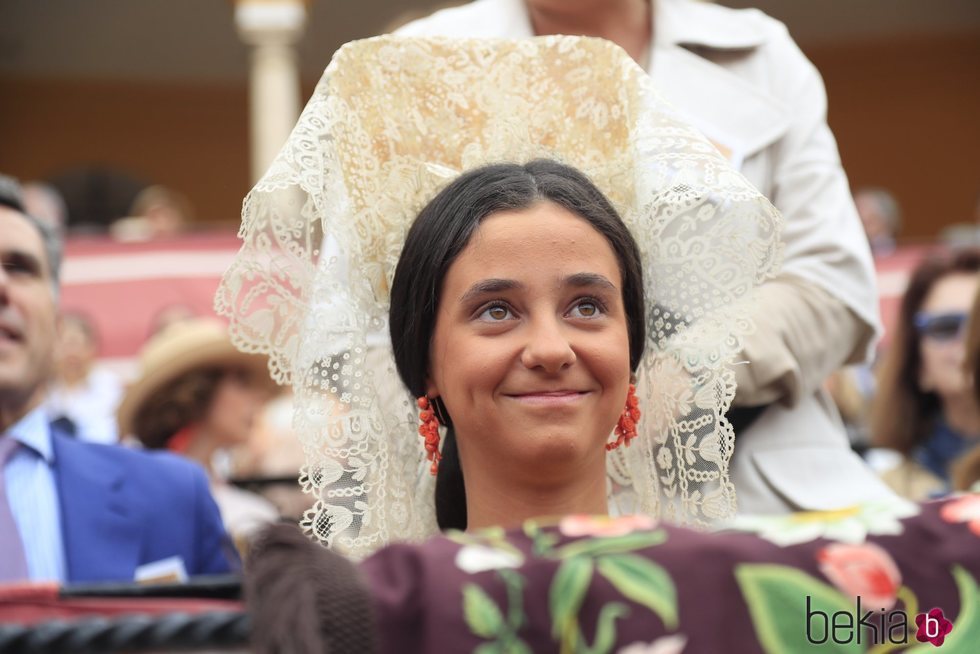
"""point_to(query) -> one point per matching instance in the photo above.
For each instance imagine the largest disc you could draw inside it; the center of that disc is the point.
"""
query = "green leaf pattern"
(568, 589)
(644, 582)
(634, 577)
(485, 619)
(481, 613)
(776, 596)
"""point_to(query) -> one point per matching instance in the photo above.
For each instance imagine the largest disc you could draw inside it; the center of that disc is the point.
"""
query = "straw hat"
(183, 347)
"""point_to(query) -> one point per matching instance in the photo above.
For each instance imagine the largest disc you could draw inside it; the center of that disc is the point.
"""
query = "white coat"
(739, 77)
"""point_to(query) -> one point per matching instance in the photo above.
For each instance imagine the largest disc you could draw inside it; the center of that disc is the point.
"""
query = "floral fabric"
(904, 578)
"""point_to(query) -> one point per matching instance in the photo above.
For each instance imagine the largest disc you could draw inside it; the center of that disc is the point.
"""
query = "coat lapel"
(739, 118)
(102, 534)
(734, 114)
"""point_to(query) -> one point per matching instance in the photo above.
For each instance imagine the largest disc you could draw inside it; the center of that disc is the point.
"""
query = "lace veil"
(394, 119)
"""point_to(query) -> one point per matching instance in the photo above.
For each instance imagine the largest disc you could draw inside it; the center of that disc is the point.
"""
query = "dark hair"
(180, 403)
(965, 471)
(903, 415)
(442, 230)
(972, 364)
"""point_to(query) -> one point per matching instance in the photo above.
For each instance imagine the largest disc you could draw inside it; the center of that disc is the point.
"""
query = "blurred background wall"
(155, 92)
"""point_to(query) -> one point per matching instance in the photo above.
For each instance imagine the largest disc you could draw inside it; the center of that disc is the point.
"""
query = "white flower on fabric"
(848, 525)
(663, 645)
(480, 558)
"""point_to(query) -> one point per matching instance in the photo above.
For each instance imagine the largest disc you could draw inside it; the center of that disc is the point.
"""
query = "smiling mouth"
(549, 398)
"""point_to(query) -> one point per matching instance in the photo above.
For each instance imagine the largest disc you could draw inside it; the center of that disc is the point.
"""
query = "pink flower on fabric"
(932, 627)
(964, 509)
(595, 525)
(864, 570)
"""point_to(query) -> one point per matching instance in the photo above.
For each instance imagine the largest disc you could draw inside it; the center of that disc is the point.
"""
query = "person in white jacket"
(738, 76)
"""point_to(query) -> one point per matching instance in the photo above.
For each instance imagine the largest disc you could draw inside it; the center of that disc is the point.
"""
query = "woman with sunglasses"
(926, 408)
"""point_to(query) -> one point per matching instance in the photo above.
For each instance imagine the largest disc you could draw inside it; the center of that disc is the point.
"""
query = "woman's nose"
(547, 346)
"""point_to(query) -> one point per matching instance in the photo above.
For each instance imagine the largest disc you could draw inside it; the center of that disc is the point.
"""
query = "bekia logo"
(874, 627)
(932, 627)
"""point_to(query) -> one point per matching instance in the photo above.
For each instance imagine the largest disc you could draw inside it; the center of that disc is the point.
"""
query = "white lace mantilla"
(391, 122)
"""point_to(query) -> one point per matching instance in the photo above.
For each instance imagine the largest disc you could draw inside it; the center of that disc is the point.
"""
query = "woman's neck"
(624, 22)
(494, 500)
(962, 414)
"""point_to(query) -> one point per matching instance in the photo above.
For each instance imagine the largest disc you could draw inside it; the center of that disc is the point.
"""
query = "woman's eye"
(586, 309)
(495, 313)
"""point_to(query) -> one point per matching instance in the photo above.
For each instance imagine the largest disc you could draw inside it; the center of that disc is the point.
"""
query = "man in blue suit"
(72, 511)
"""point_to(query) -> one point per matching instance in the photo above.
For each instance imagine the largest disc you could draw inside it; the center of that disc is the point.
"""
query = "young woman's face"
(940, 343)
(530, 353)
(237, 401)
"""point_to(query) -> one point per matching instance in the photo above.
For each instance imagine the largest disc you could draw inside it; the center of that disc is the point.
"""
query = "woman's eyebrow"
(493, 285)
(580, 280)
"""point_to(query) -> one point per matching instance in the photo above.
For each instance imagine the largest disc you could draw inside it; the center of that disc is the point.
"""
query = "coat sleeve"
(821, 312)
(215, 551)
(802, 340)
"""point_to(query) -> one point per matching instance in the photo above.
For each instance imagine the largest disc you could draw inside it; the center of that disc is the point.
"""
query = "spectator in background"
(169, 315)
(158, 212)
(72, 511)
(853, 387)
(963, 234)
(197, 396)
(85, 394)
(881, 217)
(966, 471)
(44, 202)
(274, 457)
(926, 408)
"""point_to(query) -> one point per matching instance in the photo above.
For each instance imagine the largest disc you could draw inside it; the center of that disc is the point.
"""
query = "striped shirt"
(33, 497)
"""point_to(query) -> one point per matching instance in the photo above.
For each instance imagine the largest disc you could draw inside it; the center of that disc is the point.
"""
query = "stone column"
(271, 28)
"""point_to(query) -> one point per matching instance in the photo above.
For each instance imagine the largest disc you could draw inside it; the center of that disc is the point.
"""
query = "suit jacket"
(740, 78)
(123, 508)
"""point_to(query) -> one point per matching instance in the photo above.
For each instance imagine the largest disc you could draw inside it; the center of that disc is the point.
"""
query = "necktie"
(13, 563)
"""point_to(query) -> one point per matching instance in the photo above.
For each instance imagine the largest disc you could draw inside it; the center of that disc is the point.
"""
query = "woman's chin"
(559, 447)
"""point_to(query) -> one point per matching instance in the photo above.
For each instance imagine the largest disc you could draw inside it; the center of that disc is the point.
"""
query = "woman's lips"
(549, 398)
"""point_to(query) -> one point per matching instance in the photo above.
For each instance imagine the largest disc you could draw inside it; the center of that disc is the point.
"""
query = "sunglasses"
(940, 326)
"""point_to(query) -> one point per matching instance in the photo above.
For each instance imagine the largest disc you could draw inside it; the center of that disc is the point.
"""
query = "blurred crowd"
(189, 392)
(912, 412)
